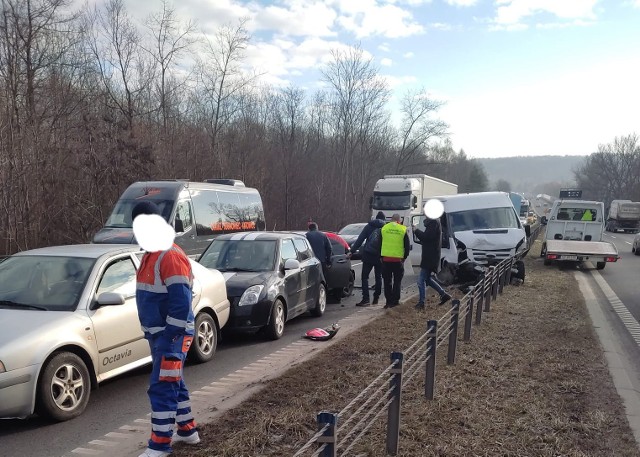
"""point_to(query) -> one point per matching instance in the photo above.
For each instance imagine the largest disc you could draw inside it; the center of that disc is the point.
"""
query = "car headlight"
(251, 295)
(2, 368)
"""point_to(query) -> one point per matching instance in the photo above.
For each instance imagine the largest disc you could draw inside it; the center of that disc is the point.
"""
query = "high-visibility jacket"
(163, 294)
(587, 216)
(393, 240)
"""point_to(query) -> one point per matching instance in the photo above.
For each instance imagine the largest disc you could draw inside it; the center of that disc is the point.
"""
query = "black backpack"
(374, 243)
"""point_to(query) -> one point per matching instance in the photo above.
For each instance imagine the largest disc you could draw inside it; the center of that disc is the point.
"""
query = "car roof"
(263, 236)
(82, 250)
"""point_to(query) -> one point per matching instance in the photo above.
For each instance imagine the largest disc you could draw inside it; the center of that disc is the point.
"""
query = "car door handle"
(342, 261)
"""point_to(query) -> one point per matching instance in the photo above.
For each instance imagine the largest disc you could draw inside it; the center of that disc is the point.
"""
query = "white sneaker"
(191, 439)
(153, 453)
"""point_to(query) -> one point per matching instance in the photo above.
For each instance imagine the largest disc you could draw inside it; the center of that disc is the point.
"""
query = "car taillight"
(611, 259)
(552, 256)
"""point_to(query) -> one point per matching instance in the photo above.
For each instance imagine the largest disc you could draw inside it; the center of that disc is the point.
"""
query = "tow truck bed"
(578, 251)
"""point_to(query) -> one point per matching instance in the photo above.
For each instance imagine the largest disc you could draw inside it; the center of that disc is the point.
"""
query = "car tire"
(321, 302)
(348, 291)
(275, 327)
(637, 251)
(205, 339)
(64, 387)
(543, 250)
(547, 261)
(601, 265)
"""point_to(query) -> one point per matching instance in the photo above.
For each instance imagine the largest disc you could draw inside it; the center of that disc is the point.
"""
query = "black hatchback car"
(271, 277)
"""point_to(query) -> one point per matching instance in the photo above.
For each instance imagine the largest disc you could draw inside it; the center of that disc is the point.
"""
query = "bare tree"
(613, 172)
(418, 128)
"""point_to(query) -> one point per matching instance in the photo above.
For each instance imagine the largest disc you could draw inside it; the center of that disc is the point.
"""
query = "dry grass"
(532, 382)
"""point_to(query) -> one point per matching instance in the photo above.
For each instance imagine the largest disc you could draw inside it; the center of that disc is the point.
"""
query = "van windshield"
(121, 215)
(484, 219)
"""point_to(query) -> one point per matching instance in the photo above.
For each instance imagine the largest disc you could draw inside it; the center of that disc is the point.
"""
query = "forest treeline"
(92, 100)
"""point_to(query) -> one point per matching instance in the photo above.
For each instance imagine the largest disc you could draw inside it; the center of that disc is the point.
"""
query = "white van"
(198, 211)
(486, 223)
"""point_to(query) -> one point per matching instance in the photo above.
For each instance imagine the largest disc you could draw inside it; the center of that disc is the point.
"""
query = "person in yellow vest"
(587, 215)
(395, 250)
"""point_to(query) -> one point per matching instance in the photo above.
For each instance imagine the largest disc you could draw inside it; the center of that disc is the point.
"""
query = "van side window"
(205, 207)
(231, 212)
(183, 214)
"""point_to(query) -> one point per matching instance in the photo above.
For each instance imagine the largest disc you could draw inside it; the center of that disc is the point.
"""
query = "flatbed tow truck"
(574, 232)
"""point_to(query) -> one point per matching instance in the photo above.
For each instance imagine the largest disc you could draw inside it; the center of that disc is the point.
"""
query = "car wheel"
(64, 387)
(543, 251)
(205, 339)
(547, 261)
(637, 251)
(275, 328)
(348, 291)
(601, 265)
(321, 303)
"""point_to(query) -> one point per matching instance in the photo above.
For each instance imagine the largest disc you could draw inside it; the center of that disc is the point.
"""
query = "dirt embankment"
(532, 382)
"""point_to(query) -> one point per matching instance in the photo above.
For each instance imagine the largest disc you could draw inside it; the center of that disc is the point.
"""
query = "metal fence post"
(393, 413)
(453, 334)
(329, 436)
(481, 300)
(494, 282)
(511, 263)
(430, 374)
(488, 290)
(469, 317)
(501, 273)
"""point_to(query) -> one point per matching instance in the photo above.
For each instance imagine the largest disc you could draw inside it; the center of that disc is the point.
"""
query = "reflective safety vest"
(163, 293)
(393, 240)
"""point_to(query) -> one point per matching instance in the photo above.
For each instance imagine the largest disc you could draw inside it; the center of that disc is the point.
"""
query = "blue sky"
(519, 77)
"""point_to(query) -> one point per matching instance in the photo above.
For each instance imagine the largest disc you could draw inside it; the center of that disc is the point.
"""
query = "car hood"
(238, 282)
(26, 334)
(489, 240)
(114, 235)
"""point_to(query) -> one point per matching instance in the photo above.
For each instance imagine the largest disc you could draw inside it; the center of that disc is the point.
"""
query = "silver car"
(68, 321)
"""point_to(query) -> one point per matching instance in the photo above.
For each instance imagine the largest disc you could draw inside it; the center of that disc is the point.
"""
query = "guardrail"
(339, 432)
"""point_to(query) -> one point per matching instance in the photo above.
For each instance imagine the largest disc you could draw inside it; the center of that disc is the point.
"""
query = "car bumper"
(17, 389)
(249, 317)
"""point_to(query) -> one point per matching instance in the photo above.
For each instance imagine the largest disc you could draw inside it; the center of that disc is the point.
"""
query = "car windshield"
(484, 219)
(352, 229)
(43, 282)
(121, 215)
(240, 255)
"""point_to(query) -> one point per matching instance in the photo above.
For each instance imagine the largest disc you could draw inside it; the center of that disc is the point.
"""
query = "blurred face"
(153, 233)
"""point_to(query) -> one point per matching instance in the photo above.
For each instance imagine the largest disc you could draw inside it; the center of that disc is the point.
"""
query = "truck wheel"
(601, 265)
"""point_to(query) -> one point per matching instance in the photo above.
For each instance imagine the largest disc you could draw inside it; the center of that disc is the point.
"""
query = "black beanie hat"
(380, 215)
(145, 207)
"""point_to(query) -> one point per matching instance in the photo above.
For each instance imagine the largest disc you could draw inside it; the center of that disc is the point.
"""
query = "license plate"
(569, 257)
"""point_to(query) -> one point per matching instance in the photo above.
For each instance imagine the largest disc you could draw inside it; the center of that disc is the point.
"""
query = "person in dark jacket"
(431, 240)
(370, 254)
(320, 244)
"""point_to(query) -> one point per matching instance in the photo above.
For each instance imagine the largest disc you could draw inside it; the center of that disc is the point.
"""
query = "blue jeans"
(426, 279)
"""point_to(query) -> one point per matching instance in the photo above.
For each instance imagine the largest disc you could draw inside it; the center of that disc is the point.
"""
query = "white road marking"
(621, 310)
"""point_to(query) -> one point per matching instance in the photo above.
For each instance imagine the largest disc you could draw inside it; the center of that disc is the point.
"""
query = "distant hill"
(536, 174)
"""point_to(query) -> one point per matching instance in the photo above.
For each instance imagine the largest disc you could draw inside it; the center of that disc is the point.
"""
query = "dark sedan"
(271, 277)
(351, 232)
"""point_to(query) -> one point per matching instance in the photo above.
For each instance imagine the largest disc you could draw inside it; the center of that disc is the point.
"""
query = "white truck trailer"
(623, 215)
(406, 195)
(574, 234)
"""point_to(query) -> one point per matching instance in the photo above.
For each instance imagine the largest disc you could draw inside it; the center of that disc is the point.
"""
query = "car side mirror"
(291, 264)
(543, 220)
(179, 226)
(110, 299)
(414, 201)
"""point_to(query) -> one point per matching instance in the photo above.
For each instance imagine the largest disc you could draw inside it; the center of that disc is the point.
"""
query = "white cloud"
(408, 55)
(559, 115)
(366, 18)
(513, 11)
(299, 17)
(385, 46)
(395, 81)
(461, 2)
(385, 62)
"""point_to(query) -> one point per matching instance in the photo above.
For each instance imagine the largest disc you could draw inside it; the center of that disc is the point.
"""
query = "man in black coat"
(370, 257)
(431, 240)
(320, 244)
